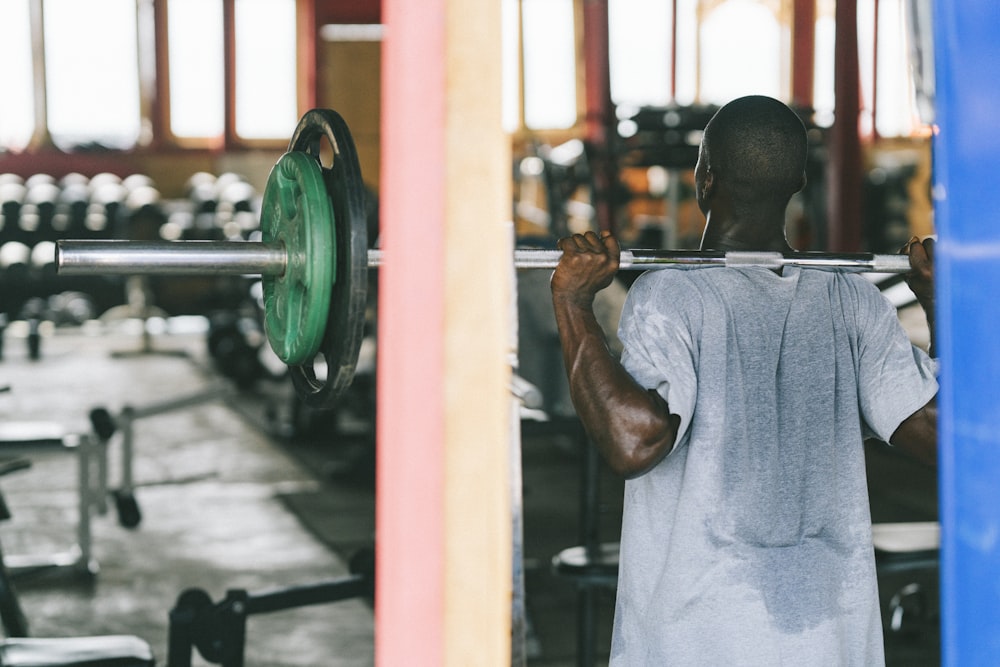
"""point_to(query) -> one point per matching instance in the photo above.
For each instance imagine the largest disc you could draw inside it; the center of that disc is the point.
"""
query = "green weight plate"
(296, 213)
(349, 296)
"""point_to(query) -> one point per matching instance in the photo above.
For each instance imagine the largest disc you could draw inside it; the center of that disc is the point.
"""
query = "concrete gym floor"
(227, 504)
(210, 488)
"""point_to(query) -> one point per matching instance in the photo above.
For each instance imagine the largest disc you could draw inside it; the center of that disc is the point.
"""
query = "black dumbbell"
(39, 209)
(71, 210)
(234, 343)
(12, 193)
(34, 313)
(15, 260)
(107, 199)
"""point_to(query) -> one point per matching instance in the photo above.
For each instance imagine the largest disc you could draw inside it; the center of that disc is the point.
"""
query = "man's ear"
(708, 185)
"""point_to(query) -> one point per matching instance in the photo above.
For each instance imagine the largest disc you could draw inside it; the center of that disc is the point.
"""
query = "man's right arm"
(632, 426)
(917, 434)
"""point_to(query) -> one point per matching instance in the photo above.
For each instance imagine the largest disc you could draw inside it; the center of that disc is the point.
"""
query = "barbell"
(313, 258)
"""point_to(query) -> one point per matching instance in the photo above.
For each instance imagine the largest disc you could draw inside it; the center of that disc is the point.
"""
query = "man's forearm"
(631, 426)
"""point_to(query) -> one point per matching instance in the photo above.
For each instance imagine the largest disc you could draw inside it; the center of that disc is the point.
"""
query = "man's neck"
(743, 235)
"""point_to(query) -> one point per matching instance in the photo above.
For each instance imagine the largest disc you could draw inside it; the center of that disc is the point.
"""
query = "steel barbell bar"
(93, 257)
(313, 258)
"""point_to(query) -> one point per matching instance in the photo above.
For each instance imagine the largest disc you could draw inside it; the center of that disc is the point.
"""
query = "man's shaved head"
(757, 146)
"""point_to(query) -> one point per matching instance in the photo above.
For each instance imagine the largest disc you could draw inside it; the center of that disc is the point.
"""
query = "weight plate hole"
(320, 367)
(326, 154)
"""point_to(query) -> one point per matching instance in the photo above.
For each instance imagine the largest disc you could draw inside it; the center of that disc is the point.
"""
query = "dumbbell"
(34, 313)
(39, 209)
(12, 192)
(15, 260)
(107, 198)
(71, 210)
(234, 344)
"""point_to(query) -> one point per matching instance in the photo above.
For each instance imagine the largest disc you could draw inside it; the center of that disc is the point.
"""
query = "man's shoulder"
(850, 283)
(672, 294)
(671, 276)
(675, 285)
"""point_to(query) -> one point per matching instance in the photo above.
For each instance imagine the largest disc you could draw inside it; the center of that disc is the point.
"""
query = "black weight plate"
(348, 299)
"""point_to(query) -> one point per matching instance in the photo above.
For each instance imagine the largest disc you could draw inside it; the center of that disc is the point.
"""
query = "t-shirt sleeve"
(895, 378)
(657, 344)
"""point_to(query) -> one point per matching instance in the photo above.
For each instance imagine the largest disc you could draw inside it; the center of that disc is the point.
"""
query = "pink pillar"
(409, 607)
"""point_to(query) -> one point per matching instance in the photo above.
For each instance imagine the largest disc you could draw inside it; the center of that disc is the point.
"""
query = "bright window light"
(823, 71)
(197, 95)
(510, 76)
(896, 112)
(687, 51)
(92, 73)
(741, 42)
(266, 92)
(16, 111)
(639, 49)
(549, 63)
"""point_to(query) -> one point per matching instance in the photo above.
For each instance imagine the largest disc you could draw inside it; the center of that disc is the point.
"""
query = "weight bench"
(106, 425)
(590, 568)
(908, 547)
(102, 651)
(218, 629)
(591, 565)
(27, 439)
(17, 649)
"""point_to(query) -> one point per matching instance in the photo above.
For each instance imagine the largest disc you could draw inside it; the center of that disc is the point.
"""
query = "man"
(738, 412)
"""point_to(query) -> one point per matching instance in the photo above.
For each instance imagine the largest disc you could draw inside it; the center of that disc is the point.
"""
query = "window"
(823, 67)
(641, 32)
(265, 68)
(548, 39)
(90, 94)
(639, 45)
(98, 84)
(511, 69)
(744, 50)
(95, 83)
(92, 74)
(197, 68)
(539, 64)
(888, 91)
(686, 52)
(17, 109)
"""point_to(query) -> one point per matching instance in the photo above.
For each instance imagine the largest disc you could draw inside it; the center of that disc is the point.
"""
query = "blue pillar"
(967, 192)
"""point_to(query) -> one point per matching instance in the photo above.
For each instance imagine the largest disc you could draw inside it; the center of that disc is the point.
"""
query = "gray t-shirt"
(750, 543)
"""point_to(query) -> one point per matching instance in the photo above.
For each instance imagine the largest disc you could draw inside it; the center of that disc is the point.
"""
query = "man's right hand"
(589, 263)
(921, 280)
(921, 276)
